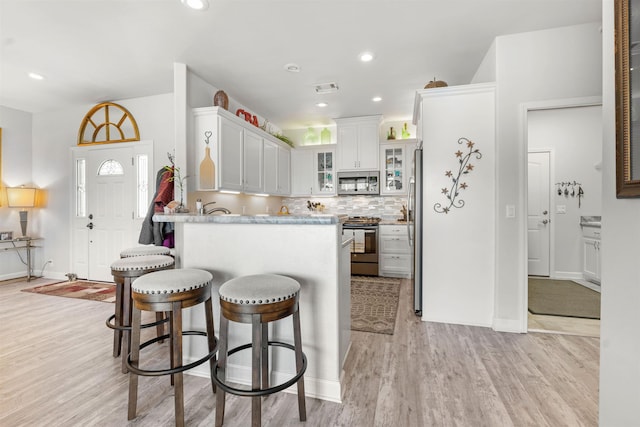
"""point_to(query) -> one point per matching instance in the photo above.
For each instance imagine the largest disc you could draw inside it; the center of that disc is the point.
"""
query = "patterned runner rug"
(83, 289)
(374, 303)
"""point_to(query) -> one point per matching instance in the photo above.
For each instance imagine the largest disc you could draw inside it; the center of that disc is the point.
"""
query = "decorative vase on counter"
(325, 136)
(310, 137)
(220, 99)
(405, 132)
(392, 133)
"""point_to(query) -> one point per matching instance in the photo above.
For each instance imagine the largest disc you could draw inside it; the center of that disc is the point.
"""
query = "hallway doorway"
(566, 137)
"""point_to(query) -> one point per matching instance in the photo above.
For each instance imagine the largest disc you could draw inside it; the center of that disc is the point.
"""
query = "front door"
(106, 208)
(538, 218)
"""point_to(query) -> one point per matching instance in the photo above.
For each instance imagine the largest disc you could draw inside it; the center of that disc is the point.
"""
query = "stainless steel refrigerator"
(415, 227)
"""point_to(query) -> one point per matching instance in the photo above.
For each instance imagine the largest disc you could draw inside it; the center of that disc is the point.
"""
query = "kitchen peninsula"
(308, 248)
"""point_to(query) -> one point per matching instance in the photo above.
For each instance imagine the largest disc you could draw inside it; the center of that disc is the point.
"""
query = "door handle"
(544, 212)
(90, 226)
(545, 221)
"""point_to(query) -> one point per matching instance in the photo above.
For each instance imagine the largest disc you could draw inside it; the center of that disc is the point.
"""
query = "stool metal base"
(171, 371)
(263, 391)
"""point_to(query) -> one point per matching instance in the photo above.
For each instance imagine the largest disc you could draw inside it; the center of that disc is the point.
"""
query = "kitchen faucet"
(204, 211)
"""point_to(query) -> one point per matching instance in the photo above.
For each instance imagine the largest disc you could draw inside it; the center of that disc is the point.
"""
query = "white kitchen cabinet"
(277, 174)
(591, 254)
(312, 171)
(284, 171)
(395, 166)
(270, 167)
(358, 143)
(395, 253)
(237, 149)
(230, 156)
(253, 163)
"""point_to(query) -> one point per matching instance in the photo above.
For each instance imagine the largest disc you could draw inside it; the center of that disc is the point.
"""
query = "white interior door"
(538, 217)
(105, 209)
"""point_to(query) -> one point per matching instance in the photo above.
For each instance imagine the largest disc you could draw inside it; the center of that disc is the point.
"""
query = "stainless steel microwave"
(359, 183)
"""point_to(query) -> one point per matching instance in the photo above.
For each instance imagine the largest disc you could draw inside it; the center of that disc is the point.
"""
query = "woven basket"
(435, 83)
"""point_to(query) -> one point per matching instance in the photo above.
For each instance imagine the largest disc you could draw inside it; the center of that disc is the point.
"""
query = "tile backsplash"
(387, 207)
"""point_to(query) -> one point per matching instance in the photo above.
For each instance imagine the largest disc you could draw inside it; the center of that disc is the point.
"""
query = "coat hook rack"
(570, 188)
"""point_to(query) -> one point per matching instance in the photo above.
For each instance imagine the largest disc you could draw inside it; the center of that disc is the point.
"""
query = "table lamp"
(21, 197)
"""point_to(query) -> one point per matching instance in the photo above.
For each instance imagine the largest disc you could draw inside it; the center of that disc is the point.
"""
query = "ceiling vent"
(327, 88)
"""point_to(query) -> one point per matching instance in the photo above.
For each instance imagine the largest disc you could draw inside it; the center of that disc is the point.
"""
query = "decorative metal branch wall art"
(464, 168)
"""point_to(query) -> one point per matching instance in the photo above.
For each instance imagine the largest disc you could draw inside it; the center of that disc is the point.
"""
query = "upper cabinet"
(312, 170)
(396, 159)
(357, 147)
(277, 172)
(231, 154)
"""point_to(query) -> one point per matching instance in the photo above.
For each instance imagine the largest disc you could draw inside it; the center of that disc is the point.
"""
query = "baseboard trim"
(508, 325)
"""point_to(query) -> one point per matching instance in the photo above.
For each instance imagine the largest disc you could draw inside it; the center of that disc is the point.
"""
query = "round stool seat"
(259, 289)
(143, 262)
(145, 250)
(171, 281)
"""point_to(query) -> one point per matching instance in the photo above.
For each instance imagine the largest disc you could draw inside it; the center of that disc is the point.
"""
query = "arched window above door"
(110, 167)
(107, 123)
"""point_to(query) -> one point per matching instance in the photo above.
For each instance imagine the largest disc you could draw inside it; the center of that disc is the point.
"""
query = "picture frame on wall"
(627, 29)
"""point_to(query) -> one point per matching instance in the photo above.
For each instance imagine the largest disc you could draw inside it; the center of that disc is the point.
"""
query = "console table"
(19, 243)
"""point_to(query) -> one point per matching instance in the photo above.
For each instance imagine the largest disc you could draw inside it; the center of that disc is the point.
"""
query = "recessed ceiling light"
(196, 4)
(36, 76)
(321, 104)
(366, 56)
(376, 99)
(292, 68)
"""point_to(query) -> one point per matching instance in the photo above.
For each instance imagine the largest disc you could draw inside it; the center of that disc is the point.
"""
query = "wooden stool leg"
(135, 359)
(222, 362)
(160, 326)
(126, 321)
(211, 338)
(117, 333)
(172, 337)
(265, 355)
(256, 347)
(297, 342)
(176, 320)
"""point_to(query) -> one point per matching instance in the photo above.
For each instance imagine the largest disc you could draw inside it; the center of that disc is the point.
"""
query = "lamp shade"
(20, 197)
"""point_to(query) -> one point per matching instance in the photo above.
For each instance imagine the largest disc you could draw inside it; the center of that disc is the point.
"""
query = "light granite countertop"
(315, 219)
(591, 221)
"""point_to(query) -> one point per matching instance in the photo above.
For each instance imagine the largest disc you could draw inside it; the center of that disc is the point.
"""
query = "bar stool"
(125, 271)
(145, 250)
(258, 300)
(170, 291)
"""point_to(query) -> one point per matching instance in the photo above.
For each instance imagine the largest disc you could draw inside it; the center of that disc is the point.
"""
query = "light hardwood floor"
(56, 369)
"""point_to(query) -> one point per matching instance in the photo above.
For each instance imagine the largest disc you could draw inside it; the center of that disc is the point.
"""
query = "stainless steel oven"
(364, 248)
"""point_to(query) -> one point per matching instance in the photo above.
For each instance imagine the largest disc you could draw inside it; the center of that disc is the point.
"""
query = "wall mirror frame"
(627, 29)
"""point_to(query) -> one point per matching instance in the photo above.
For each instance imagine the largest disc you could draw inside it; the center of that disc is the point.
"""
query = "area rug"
(563, 298)
(374, 304)
(83, 289)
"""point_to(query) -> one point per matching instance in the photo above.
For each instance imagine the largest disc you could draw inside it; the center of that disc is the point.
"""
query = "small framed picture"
(6, 235)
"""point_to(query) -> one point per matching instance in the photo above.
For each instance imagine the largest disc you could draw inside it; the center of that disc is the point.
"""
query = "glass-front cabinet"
(395, 165)
(324, 172)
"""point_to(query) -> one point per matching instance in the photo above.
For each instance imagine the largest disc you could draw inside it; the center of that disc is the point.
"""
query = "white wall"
(552, 64)
(16, 170)
(458, 247)
(620, 340)
(574, 136)
(54, 133)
